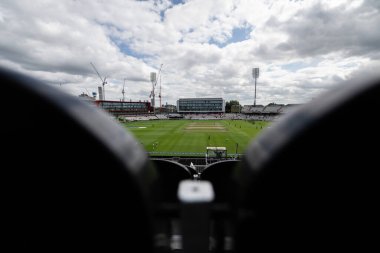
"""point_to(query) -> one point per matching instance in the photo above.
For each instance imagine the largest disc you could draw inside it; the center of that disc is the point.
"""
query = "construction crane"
(103, 97)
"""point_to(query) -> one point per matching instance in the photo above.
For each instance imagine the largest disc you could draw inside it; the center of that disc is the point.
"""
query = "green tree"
(230, 104)
(228, 107)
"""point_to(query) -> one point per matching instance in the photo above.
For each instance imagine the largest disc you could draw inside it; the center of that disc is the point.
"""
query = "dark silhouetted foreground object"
(310, 181)
(169, 174)
(74, 179)
(166, 202)
(222, 176)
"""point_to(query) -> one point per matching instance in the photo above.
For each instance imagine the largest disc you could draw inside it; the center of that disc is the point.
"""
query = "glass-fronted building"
(201, 105)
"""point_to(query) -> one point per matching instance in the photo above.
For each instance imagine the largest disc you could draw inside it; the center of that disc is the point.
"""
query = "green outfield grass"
(195, 135)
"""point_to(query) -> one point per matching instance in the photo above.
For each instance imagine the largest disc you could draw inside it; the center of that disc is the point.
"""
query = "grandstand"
(175, 116)
(120, 108)
(270, 109)
(250, 109)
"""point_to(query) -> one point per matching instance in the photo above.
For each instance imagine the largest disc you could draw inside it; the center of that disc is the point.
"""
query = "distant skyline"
(207, 47)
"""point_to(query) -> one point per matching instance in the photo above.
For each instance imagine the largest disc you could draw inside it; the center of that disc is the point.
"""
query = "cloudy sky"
(207, 48)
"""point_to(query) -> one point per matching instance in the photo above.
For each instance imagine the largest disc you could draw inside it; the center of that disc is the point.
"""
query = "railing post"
(196, 198)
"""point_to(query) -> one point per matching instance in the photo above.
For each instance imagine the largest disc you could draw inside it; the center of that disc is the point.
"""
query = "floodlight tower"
(123, 92)
(159, 95)
(255, 75)
(159, 75)
(153, 79)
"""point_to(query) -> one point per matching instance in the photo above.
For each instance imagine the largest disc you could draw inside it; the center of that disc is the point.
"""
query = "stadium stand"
(161, 116)
(72, 174)
(221, 175)
(252, 109)
(272, 109)
(175, 116)
(167, 226)
(309, 181)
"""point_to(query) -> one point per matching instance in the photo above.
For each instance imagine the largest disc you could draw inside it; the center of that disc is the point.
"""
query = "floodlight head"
(255, 72)
(153, 77)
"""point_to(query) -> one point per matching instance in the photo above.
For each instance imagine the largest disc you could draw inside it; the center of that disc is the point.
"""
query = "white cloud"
(303, 48)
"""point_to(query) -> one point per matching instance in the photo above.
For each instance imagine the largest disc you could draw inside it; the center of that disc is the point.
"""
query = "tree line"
(233, 106)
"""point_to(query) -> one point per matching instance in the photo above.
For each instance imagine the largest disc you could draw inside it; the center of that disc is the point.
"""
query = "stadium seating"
(166, 203)
(272, 109)
(72, 178)
(309, 182)
(193, 171)
(222, 176)
(170, 173)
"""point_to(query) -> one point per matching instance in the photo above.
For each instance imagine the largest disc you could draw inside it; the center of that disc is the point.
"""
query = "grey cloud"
(195, 57)
(373, 4)
(319, 31)
(29, 62)
(138, 79)
(370, 70)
